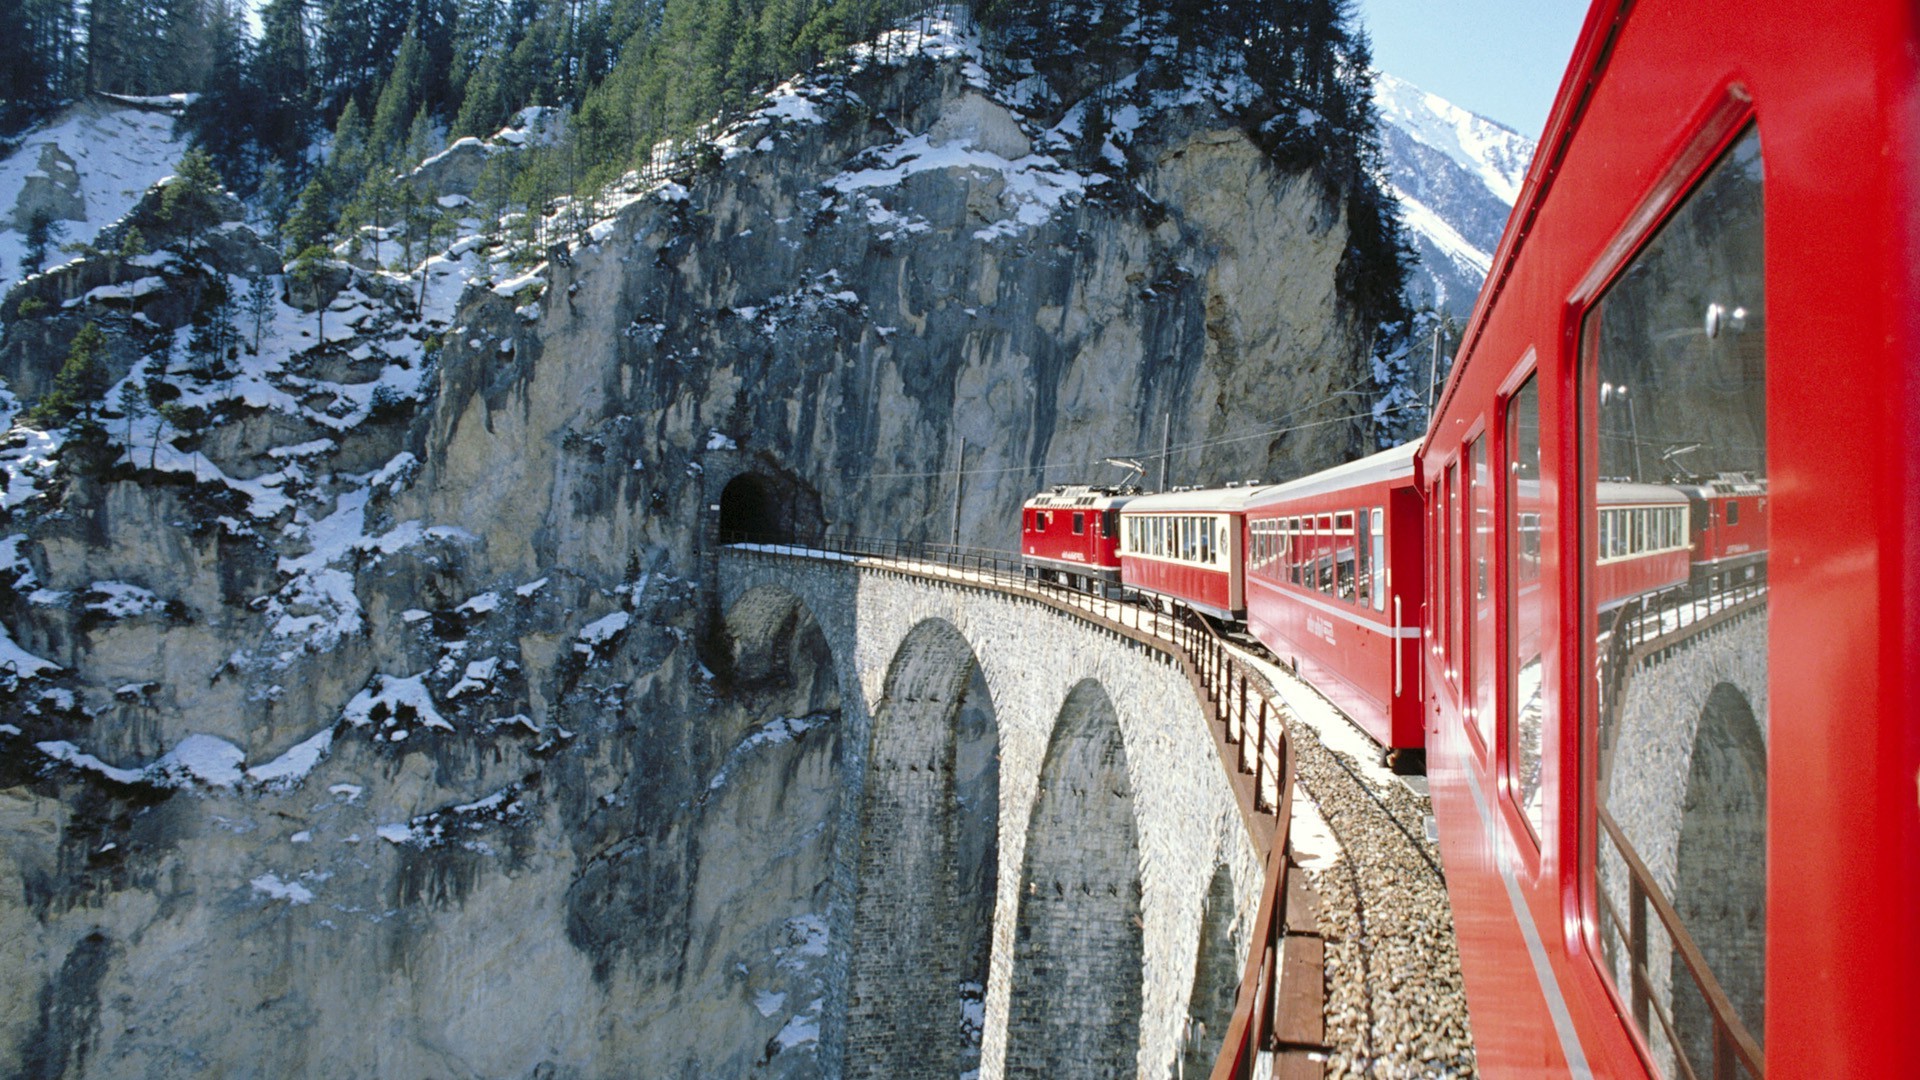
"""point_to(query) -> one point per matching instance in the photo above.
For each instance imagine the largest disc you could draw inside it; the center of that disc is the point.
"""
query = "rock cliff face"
(388, 725)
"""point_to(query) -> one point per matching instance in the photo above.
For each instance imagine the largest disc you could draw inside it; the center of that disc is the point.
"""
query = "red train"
(1713, 260)
(1071, 534)
(1335, 584)
(1685, 841)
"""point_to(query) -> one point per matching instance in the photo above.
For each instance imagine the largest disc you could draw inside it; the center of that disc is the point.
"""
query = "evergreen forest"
(314, 109)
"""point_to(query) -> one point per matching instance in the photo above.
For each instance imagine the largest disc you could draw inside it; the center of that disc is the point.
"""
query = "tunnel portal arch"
(770, 507)
(1078, 955)
(928, 858)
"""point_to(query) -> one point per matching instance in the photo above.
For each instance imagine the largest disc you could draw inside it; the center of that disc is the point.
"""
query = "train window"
(1673, 355)
(1450, 572)
(1324, 546)
(1526, 608)
(1733, 512)
(1379, 545)
(1363, 553)
(1109, 523)
(1079, 524)
(1480, 567)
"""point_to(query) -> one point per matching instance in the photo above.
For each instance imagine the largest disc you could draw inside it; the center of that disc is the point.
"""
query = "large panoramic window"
(1673, 366)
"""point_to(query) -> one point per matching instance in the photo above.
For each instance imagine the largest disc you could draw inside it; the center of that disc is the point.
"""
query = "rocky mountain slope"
(1456, 175)
(367, 711)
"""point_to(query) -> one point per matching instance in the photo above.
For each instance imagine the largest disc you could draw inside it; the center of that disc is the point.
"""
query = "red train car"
(1713, 253)
(1186, 546)
(1643, 546)
(1072, 533)
(1334, 588)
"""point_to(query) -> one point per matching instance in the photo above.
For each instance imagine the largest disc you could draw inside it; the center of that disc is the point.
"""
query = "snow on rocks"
(478, 678)
(602, 632)
(211, 760)
(1034, 186)
(119, 600)
(483, 604)
(17, 663)
(273, 888)
(781, 729)
(204, 761)
(390, 701)
(457, 824)
(290, 768)
(105, 157)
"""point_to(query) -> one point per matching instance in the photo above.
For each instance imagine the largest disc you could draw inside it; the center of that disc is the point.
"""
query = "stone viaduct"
(1040, 867)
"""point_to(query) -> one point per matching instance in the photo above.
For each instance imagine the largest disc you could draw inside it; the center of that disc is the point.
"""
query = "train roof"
(1231, 500)
(1372, 469)
(1080, 497)
(1612, 493)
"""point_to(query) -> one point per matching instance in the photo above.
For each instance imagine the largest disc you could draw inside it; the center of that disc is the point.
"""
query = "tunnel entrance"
(760, 508)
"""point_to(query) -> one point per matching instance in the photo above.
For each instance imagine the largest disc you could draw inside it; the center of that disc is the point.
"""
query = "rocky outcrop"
(399, 731)
(51, 192)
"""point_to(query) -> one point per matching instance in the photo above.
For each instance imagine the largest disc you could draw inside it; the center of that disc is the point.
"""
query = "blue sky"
(1500, 58)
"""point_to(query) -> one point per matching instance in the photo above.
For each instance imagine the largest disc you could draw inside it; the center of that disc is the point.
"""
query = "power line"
(1053, 465)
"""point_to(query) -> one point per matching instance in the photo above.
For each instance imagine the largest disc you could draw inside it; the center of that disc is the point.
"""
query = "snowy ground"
(118, 153)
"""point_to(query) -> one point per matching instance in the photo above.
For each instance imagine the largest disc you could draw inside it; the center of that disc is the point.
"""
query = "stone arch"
(1720, 873)
(1077, 989)
(1216, 976)
(778, 657)
(770, 507)
(928, 857)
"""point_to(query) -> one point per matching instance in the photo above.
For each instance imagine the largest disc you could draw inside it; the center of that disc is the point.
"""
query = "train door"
(1404, 577)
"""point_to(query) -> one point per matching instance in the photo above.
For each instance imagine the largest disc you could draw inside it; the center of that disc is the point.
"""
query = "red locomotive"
(1071, 534)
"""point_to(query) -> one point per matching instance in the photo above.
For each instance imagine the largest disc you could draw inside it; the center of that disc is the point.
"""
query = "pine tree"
(222, 118)
(259, 305)
(399, 100)
(42, 230)
(81, 381)
(312, 219)
(281, 71)
(306, 273)
(132, 400)
(191, 200)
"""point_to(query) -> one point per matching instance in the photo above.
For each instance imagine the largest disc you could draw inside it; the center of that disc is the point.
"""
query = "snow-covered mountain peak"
(1491, 151)
(1456, 175)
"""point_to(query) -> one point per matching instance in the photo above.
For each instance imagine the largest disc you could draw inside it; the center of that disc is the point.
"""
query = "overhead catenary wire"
(1050, 466)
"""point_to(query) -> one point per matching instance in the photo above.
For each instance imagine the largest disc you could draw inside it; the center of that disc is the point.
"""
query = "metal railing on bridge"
(1279, 1006)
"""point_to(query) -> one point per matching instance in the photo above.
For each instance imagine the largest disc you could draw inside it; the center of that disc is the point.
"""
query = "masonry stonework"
(1030, 659)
